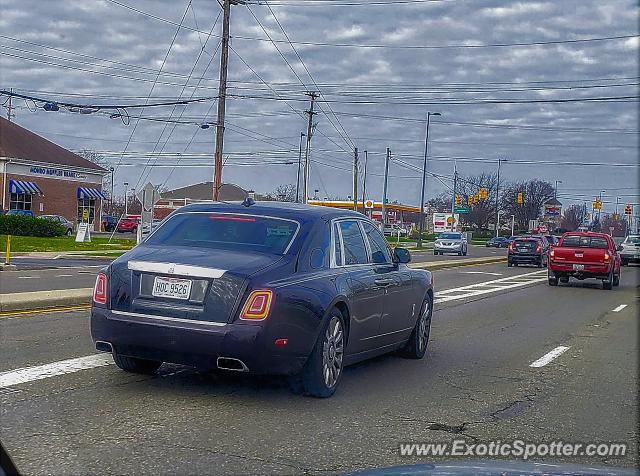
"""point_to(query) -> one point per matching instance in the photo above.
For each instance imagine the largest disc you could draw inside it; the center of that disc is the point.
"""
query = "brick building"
(38, 175)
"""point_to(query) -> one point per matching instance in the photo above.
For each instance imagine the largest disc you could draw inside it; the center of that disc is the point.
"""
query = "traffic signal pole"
(453, 200)
(384, 187)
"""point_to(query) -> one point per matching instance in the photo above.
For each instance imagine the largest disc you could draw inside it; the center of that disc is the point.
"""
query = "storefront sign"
(83, 233)
(53, 172)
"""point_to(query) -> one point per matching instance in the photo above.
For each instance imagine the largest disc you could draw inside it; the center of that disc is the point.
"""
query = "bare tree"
(619, 225)
(283, 193)
(534, 193)
(483, 212)
(441, 203)
(573, 217)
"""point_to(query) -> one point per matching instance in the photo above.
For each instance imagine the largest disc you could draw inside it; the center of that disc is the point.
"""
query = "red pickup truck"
(585, 255)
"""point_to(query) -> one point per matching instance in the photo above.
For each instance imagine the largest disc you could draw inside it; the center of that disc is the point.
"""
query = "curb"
(44, 299)
(435, 265)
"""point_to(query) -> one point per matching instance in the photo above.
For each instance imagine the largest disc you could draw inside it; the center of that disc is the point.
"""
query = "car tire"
(553, 281)
(69, 232)
(509, 264)
(464, 253)
(416, 346)
(459, 253)
(435, 253)
(135, 365)
(540, 263)
(323, 370)
(624, 262)
(608, 283)
(616, 279)
(564, 279)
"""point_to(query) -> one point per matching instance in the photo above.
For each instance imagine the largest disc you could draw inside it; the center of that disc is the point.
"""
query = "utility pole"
(302, 134)
(384, 187)
(498, 199)
(305, 180)
(10, 114)
(355, 180)
(364, 183)
(222, 97)
(111, 169)
(453, 199)
(424, 178)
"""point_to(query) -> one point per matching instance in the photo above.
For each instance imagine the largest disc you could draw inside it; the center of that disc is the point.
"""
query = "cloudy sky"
(556, 101)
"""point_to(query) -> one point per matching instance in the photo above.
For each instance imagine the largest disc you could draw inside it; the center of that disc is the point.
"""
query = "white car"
(630, 250)
(451, 242)
(393, 229)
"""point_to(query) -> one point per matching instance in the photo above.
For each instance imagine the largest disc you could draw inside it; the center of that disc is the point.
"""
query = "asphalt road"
(476, 384)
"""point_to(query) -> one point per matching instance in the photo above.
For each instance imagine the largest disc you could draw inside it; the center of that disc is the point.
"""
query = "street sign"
(83, 234)
(461, 210)
(368, 204)
(450, 220)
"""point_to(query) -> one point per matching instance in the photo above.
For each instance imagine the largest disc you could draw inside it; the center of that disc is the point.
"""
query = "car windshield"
(450, 236)
(579, 241)
(226, 231)
(633, 240)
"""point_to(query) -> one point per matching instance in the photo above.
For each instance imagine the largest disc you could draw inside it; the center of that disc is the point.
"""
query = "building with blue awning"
(40, 176)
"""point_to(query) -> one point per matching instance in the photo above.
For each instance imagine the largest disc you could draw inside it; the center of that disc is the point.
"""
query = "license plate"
(578, 267)
(174, 288)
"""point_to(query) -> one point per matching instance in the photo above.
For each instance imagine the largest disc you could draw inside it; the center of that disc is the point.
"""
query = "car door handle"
(383, 282)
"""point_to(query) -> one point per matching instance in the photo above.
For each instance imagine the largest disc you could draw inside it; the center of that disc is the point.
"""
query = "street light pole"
(424, 177)
(364, 182)
(126, 190)
(384, 187)
(111, 169)
(556, 189)
(513, 222)
(498, 200)
(302, 134)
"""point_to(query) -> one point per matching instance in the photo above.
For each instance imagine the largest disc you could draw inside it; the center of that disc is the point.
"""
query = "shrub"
(21, 225)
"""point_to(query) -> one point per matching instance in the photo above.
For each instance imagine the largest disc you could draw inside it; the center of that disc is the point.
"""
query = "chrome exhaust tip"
(103, 346)
(230, 363)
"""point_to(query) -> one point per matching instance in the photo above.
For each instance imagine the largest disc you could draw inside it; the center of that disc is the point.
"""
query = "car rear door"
(398, 311)
(366, 299)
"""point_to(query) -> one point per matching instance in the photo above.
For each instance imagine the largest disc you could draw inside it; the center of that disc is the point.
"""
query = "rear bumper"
(524, 258)
(194, 344)
(631, 257)
(590, 271)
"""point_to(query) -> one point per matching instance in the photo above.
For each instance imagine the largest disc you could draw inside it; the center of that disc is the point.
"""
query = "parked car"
(68, 226)
(497, 242)
(109, 223)
(630, 250)
(268, 288)
(585, 255)
(451, 242)
(128, 225)
(28, 213)
(394, 229)
(530, 249)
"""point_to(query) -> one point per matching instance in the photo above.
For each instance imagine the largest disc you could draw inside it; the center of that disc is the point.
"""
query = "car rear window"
(578, 241)
(226, 231)
(527, 243)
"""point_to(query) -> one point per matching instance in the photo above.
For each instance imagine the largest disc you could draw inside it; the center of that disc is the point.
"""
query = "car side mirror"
(401, 255)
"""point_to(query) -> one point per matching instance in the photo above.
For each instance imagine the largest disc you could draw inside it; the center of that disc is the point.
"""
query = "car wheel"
(69, 232)
(322, 372)
(135, 365)
(509, 264)
(465, 252)
(616, 279)
(624, 262)
(435, 253)
(553, 281)
(564, 279)
(459, 253)
(608, 283)
(540, 263)
(416, 346)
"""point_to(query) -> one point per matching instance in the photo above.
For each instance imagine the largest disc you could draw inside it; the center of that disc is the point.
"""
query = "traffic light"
(628, 210)
(458, 199)
(475, 198)
(470, 200)
(597, 204)
(520, 198)
(483, 193)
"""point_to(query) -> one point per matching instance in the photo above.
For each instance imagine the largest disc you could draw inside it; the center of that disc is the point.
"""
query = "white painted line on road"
(481, 272)
(549, 356)
(619, 308)
(39, 372)
(64, 275)
(28, 277)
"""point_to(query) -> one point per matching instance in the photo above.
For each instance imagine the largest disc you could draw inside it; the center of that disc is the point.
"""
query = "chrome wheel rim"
(332, 352)
(424, 326)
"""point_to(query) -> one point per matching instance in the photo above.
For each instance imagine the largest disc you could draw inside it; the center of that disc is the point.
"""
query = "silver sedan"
(450, 243)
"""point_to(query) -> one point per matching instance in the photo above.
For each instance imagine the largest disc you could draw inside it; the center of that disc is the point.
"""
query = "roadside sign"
(461, 210)
(450, 220)
(368, 204)
(83, 234)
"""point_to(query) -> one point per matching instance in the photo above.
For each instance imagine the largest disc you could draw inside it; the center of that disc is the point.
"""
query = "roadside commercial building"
(38, 175)
(396, 212)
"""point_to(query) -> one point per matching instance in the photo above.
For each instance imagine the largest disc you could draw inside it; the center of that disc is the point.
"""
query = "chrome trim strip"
(170, 319)
(177, 269)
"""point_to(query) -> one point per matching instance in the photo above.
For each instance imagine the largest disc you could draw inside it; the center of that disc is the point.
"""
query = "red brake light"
(231, 218)
(257, 306)
(512, 246)
(100, 290)
(538, 249)
(606, 256)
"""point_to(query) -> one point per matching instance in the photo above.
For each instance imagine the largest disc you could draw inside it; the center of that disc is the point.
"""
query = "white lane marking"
(28, 277)
(481, 272)
(64, 275)
(491, 286)
(549, 356)
(619, 308)
(28, 374)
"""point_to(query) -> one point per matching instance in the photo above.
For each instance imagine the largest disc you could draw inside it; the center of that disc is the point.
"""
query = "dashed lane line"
(549, 356)
(619, 308)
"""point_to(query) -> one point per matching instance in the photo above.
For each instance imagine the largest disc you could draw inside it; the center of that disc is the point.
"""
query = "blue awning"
(91, 193)
(22, 186)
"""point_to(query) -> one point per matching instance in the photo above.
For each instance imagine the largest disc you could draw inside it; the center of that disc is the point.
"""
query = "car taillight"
(552, 253)
(257, 306)
(538, 249)
(512, 246)
(100, 290)
(606, 256)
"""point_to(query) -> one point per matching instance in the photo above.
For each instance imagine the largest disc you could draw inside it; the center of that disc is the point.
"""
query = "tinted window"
(337, 245)
(450, 236)
(355, 251)
(529, 244)
(379, 250)
(577, 241)
(225, 231)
